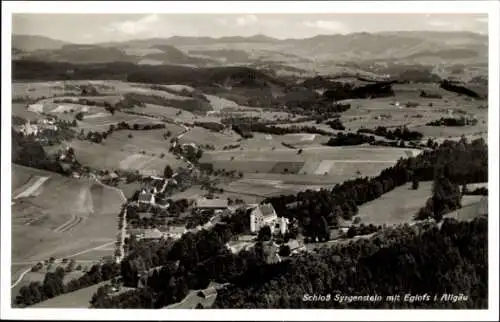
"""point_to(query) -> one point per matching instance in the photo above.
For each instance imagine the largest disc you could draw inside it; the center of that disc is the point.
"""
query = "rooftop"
(152, 234)
(211, 203)
(176, 229)
(145, 196)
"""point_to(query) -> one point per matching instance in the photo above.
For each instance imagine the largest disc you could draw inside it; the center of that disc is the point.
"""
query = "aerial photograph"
(249, 161)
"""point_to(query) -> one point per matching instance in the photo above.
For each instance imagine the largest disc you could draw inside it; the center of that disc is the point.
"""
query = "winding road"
(20, 278)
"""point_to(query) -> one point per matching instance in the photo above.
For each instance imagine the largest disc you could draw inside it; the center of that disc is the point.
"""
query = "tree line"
(395, 262)
(397, 134)
(98, 137)
(336, 124)
(53, 283)
(451, 121)
(190, 262)
(245, 130)
(349, 138)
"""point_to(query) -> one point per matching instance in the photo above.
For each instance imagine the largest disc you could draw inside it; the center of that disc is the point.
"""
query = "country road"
(20, 278)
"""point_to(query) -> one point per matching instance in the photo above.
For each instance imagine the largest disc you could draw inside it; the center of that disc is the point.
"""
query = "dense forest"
(245, 129)
(342, 139)
(397, 261)
(397, 134)
(188, 263)
(457, 88)
(29, 152)
(450, 121)
(196, 259)
(341, 91)
(336, 124)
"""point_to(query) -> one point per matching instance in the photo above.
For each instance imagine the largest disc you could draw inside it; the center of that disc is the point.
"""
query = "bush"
(284, 250)
(264, 234)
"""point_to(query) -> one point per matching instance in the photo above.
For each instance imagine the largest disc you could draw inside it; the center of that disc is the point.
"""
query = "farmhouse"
(145, 215)
(37, 108)
(295, 246)
(175, 232)
(211, 204)
(113, 175)
(46, 121)
(162, 202)
(265, 215)
(29, 129)
(187, 145)
(146, 198)
(152, 234)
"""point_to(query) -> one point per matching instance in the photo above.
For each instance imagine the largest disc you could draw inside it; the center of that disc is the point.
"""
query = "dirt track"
(31, 187)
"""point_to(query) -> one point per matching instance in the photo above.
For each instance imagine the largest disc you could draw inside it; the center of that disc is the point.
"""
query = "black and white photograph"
(258, 159)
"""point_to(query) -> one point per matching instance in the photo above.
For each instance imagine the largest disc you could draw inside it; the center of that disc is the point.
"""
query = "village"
(153, 216)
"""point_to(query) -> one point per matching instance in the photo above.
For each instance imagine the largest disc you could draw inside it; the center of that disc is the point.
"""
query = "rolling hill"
(29, 43)
(402, 46)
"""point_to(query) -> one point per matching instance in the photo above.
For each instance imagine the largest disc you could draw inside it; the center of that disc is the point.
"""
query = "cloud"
(439, 23)
(134, 27)
(482, 20)
(247, 20)
(328, 25)
(222, 21)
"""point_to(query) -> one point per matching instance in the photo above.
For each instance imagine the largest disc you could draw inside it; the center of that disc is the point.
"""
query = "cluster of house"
(154, 195)
(174, 232)
(29, 128)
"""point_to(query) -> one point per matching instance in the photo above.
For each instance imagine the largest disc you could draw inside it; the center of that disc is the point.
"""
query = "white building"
(175, 232)
(29, 129)
(37, 108)
(265, 215)
(146, 197)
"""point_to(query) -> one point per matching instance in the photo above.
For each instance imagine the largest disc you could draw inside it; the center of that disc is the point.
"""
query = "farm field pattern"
(75, 216)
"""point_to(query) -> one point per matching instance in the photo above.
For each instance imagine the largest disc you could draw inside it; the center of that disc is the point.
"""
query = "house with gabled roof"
(146, 197)
(211, 204)
(265, 215)
(152, 234)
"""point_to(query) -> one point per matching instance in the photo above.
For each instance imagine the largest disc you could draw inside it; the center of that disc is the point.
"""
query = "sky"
(96, 28)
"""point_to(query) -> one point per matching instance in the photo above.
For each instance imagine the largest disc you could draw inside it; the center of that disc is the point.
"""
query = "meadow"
(144, 150)
(79, 299)
(44, 225)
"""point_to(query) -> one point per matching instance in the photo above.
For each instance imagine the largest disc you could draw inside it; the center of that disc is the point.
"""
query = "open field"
(40, 275)
(191, 193)
(68, 218)
(20, 110)
(75, 300)
(369, 113)
(192, 299)
(202, 136)
(472, 208)
(317, 153)
(146, 151)
(257, 186)
(102, 123)
(397, 206)
(451, 131)
(341, 162)
(262, 141)
(402, 204)
(38, 89)
(166, 111)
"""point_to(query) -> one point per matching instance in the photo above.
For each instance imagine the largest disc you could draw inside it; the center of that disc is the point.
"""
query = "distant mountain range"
(404, 47)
